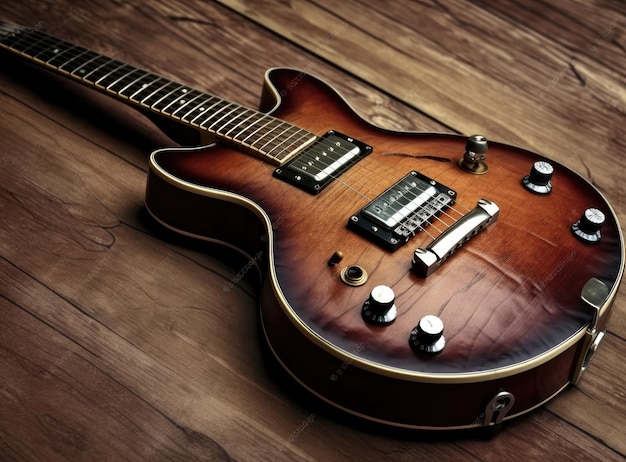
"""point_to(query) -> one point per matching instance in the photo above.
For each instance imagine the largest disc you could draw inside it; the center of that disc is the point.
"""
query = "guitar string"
(413, 196)
(374, 171)
(406, 217)
(35, 43)
(48, 40)
(409, 217)
(41, 43)
(355, 169)
(35, 46)
(76, 52)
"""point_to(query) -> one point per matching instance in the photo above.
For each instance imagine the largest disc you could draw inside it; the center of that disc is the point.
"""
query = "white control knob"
(379, 309)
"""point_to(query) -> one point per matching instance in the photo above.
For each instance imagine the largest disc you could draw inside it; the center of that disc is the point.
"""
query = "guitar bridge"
(427, 260)
(401, 211)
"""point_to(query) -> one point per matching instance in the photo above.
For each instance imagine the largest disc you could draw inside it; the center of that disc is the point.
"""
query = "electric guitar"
(419, 280)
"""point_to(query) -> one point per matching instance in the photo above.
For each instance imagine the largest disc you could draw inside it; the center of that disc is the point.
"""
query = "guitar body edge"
(525, 303)
(240, 224)
(220, 195)
(206, 213)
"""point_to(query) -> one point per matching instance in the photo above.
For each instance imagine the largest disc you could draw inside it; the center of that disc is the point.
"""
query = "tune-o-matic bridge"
(427, 260)
(402, 210)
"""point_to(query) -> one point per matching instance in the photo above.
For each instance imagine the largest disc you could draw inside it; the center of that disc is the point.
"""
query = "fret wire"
(295, 136)
(235, 119)
(20, 43)
(190, 115)
(256, 131)
(284, 147)
(205, 110)
(302, 136)
(107, 70)
(249, 128)
(66, 58)
(222, 118)
(11, 39)
(102, 71)
(281, 139)
(273, 125)
(253, 113)
(36, 40)
(260, 132)
(122, 81)
(58, 56)
(176, 93)
(145, 83)
(83, 64)
(97, 64)
(108, 80)
(321, 151)
(220, 106)
(70, 63)
(149, 90)
(184, 103)
(45, 55)
(179, 92)
(18, 39)
(131, 86)
(270, 141)
(156, 95)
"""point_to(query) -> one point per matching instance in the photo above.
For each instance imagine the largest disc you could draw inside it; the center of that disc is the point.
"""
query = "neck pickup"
(323, 161)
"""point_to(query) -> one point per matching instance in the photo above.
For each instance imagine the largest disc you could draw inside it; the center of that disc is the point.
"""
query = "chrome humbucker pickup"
(402, 210)
(323, 161)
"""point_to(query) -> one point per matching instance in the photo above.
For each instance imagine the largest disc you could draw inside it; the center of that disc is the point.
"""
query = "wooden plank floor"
(119, 342)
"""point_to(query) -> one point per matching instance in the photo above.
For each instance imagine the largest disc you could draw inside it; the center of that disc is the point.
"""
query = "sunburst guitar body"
(418, 280)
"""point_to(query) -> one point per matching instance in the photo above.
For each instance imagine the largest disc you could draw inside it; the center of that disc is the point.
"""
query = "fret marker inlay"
(274, 140)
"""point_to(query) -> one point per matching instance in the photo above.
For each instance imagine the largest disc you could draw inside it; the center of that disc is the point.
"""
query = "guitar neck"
(249, 130)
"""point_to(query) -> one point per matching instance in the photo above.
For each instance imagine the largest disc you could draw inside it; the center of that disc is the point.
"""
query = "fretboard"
(249, 130)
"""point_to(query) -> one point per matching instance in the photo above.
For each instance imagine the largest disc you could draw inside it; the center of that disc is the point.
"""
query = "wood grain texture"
(118, 343)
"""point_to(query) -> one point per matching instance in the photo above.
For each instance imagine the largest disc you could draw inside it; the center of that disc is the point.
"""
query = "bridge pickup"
(322, 162)
(401, 211)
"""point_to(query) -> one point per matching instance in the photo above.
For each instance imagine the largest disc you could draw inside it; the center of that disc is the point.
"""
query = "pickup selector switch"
(538, 181)
(427, 336)
(379, 309)
(587, 229)
(473, 161)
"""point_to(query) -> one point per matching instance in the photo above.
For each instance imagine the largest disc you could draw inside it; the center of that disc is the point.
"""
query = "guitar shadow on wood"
(135, 136)
(99, 117)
